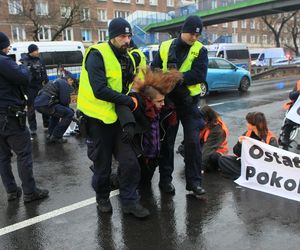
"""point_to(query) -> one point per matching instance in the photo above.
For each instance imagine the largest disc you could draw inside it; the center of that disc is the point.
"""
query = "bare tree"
(294, 30)
(60, 14)
(276, 23)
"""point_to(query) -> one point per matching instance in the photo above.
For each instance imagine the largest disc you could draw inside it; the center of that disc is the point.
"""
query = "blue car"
(223, 75)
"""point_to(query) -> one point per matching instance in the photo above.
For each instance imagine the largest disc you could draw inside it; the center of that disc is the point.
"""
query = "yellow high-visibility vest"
(86, 101)
(186, 65)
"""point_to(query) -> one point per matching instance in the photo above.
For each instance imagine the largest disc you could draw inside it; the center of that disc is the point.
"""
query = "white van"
(54, 54)
(267, 56)
(254, 54)
(150, 52)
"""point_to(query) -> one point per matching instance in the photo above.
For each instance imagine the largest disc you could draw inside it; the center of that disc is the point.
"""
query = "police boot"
(167, 188)
(104, 205)
(38, 194)
(136, 209)
(14, 195)
(57, 140)
(196, 189)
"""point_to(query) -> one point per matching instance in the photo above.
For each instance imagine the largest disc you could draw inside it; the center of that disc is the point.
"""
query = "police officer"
(14, 135)
(188, 55)
(105, 80)
(53, 100)
(38, 78)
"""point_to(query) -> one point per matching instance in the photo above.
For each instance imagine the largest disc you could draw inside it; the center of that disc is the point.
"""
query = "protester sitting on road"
(213, 138)
(284, 139)
(54, 100)
(143, 125)
(257, 128)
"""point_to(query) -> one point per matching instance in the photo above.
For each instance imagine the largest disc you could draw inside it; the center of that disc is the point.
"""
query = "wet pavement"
(227, 217)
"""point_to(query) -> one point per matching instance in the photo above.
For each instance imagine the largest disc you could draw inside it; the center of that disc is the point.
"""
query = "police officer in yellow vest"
(106, 78)
(188, 55)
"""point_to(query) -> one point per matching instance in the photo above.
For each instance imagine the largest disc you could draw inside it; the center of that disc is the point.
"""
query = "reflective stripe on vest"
(87, 102)
(288, 104)
(268, 139)
(223, 148)
(186, 65)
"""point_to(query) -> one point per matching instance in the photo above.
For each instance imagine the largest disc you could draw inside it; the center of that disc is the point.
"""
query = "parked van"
(237, 53)
(267, 56)
(54, 54)
(254, 54)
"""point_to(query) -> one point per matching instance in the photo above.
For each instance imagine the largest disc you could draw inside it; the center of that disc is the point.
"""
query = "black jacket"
(237, 149)
(14, 79)
(58, 92)
(37, 69)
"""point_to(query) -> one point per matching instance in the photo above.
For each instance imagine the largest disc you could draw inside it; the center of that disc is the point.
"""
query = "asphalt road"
(227, 217)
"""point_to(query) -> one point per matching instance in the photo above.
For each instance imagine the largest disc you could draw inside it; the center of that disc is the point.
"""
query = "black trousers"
(230, 166)
(31, 117)
(192, 122)
(16, 139)
(103, 142)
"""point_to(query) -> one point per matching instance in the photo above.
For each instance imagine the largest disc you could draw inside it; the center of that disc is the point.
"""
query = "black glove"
(127, 133)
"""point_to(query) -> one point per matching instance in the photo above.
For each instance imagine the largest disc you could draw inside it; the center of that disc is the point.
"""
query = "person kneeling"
(54, 99)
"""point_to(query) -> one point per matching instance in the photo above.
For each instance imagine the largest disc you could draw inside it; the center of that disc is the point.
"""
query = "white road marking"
(216, 104)
(50, 215)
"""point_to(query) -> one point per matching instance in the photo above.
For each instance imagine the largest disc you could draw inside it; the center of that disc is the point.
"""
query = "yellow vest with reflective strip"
(87, 102)
(186, 65)
(143, 63)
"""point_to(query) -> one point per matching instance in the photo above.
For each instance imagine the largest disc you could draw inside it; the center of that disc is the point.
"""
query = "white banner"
(294, 113)
(269, 169)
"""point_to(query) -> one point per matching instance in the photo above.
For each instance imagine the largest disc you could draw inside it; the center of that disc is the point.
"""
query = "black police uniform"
(38, 78)
(14, 134)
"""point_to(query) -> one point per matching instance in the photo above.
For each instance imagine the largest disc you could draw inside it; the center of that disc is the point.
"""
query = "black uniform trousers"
(32, 94)
(192, 122)
(17, 139)
(104, 141)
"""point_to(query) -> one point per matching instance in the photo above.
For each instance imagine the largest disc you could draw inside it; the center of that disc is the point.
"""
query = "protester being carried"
(257, 128)
(142, 127)
(213, 138)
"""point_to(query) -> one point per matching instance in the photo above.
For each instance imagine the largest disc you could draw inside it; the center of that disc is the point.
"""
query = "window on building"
(252, 39)
(252, 24)
(68, 34)
(44, 33)
(102, 15)
(86, 35)
(265, 39)
(140, 1)
(214, 4)
(225, 25)
(235, 38)
(244, 38)
(120, 13)
(102, 34)
(15, 7)
(224, 3)
(121, 1)
(18, 33)
(170, 3)
(65, 11)
(244, 24)
(85, 14)
(153, 2)
(41, 8)
(234, 24)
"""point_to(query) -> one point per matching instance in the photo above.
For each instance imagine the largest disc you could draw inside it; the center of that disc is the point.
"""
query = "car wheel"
(204, 89)
(244, 84)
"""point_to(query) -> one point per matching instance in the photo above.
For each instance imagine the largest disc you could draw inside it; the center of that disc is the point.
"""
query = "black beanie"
(4, 41)
(32, 47)
(118, 26)
(193, 24)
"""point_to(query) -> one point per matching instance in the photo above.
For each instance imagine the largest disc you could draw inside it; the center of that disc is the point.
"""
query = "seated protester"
(213, 138)
(289, 125)
(142, 127)
(230, 166)
(54, 99)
